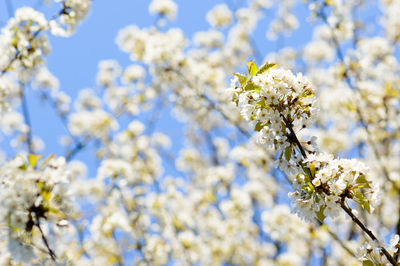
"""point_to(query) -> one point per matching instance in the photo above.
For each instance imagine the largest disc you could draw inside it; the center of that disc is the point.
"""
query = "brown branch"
(342, 204)
(367, 231)
(44, 239)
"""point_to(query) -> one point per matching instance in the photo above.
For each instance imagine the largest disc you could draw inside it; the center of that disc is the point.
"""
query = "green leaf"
(362, 200)
(320, 213)
(307, 173)
(265, 67)
(363, 182)
(288, 153)
(252, 68)
(312, 169)
(258, 126)
(242, 79)
(262, 104)
(24, 166)
(249, 86)
(33, 159)
(307, 94)
(45, 191)
(367, 263)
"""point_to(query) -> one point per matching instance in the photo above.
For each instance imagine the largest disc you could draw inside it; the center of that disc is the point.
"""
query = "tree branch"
(44, 239)
(367, 231)
(27, 119)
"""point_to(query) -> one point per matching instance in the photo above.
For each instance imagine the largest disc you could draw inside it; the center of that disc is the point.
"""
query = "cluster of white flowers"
(9, 90)
(209, 39)
(279, 104)
(261, 4)
(73, 12)
(32, 193)
(96, 123)
(24, 45)
(20, 40)
(390, 19)
(282, 225)
(284, 22)
(109, 71)
(220, 16)
(45, 80)
(152, 46)
(133, 73)
(321, 191)
(317, 51)
(166, 8)
(133, 157)
(221, 201)
(276, 101)
(371, 253)
(338, 17)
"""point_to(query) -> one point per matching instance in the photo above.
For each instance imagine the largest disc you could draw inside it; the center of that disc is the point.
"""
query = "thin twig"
(341, 243)
(294, 136)
(78, 147)
(51, 252)
(27, 119)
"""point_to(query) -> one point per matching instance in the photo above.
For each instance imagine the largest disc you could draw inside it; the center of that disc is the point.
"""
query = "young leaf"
(33, 159)
(362, 200)
(312, 169)
(258, 126)
(45, 191)
(265, 67)
(362, 181)
(367, 263)
(288, 153)
(242, 79)
(252, 68)
(249, 86)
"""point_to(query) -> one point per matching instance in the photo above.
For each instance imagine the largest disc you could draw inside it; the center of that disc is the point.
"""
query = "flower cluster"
(276, 101)
(221, 201)
(96, 123)
(370, 253)
(152, 46)
(32, 193)
(166, 8)
(220, 16)
(73, 12)
(20, 40)
(391, 20)
(280, 104)
(327, 182)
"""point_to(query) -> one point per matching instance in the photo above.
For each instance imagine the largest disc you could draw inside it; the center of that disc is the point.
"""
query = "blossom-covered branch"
(278, 104)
